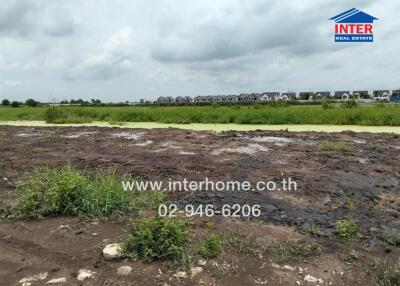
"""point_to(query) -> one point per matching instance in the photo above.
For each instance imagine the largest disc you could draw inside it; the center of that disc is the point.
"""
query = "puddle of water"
(186, 153)
(128, 135)
(144, 144)
(27, 135)
(223, 127)
(249, 149)
(170, 144)
(272, 139)
(77, 134)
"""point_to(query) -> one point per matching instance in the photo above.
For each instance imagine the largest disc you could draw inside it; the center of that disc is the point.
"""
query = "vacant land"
(341, 227)
(373, 115)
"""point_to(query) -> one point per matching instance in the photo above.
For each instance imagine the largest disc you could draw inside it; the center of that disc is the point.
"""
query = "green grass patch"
(388, 275)
(68, 191)
(338, 146)
(276, 113)
(346, 229)
(157, 239)
(210, 247)
(296, 251)
(240, 243)
(313, 230)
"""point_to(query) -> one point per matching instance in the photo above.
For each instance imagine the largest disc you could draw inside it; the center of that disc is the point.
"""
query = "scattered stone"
(288, 267)
(124, 270)
(180, 274)
(196, 270)
(275, 265)
(94, 234)
(112, 251)
(85, 273)
(312, 279)
(63, 226)
(202, 262)
(57, 280)
(34, 278)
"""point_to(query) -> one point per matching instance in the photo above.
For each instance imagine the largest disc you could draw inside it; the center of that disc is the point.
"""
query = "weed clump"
(339, 146)
(388, 275)
(296, 251)
(67, 191)
(62, 115)
(313, 230)
(346, 229)
(350, 104)
(210, 247)
(157, 239)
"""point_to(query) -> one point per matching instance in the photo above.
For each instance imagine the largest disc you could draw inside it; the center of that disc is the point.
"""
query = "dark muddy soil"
(360, 184)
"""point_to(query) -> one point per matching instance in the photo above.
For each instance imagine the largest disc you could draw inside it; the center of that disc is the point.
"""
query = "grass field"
(371, 115)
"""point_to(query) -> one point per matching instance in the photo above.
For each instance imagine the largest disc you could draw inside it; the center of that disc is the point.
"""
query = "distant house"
(209, 98)
(265, 96)
(162, 99)
(288, 95)
(322, 94)
(243, 97)
(187, 99)
(218, 98)
(381, 95)
(199, 99)
(170, 99)
(361, 94)
(395, 95)
(342, 94)
(306, 95)
(231, 98)
(179, 99)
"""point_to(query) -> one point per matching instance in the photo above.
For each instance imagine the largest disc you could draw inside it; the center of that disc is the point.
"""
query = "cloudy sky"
(118, 50)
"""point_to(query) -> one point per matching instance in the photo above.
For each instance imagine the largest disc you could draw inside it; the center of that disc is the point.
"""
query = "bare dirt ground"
(361, 184)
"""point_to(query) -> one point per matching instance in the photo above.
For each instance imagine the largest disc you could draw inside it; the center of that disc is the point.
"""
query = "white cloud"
(114, 57)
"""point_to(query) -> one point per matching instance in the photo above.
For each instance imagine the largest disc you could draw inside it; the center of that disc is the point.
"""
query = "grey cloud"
(256, 26)
(26, 17)
(114, 57)
(16, 17)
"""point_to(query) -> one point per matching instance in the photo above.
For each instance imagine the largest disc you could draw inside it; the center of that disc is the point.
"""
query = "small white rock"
(202, 262)
(196, 270)
(112, 251)
(85, 273)
(312, 279)
(180, 274)
(288, 267)
(124, 270)
(34, 278)
(57, 280)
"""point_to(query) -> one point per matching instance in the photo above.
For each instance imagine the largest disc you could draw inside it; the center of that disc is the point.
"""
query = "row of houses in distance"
(376, 95)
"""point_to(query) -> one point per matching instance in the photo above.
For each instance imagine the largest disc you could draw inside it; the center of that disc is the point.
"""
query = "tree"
(5, 102)
(31, 102)
(15, 104)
